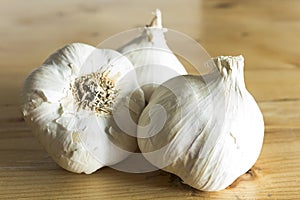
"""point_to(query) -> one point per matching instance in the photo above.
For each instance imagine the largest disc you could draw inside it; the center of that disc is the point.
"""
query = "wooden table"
(266, 32)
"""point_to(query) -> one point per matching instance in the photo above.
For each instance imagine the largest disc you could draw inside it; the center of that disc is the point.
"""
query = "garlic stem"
(156, 21)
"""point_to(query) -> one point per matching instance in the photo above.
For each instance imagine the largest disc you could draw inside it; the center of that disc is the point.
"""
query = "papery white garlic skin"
(213, 132)
(153, 60)
(61, 106)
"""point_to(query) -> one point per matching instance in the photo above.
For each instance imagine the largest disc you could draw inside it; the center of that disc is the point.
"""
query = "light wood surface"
(266, 32)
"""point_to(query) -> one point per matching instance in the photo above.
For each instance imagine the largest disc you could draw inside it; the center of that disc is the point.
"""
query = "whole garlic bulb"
(154, 62)
(207, 130)
(69, 103)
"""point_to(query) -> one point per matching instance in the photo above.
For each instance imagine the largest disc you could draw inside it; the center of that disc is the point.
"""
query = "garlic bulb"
(154, 62)
(207, 130)
(69, 103)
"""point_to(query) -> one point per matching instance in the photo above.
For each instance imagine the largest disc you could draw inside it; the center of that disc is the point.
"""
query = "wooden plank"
(34, 176)
(23, 160)
(265, 32)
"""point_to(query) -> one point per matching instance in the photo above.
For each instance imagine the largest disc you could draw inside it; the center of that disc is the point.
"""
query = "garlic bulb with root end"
(154, 62)
(213, 130)
(69, 103)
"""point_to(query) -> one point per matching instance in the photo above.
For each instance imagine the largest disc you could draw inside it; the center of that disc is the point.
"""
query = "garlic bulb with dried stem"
(69, 103)
(153, 60)
(207, 129)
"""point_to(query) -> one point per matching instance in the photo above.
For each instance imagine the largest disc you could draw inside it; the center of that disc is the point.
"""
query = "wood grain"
(266, 32)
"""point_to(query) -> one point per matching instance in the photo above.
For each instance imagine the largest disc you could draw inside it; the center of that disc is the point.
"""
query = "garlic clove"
(153, 60)
(69, 103)
(213, 130)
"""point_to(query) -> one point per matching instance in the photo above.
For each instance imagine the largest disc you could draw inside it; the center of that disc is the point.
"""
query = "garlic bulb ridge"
(213, 132)
(69, 103)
